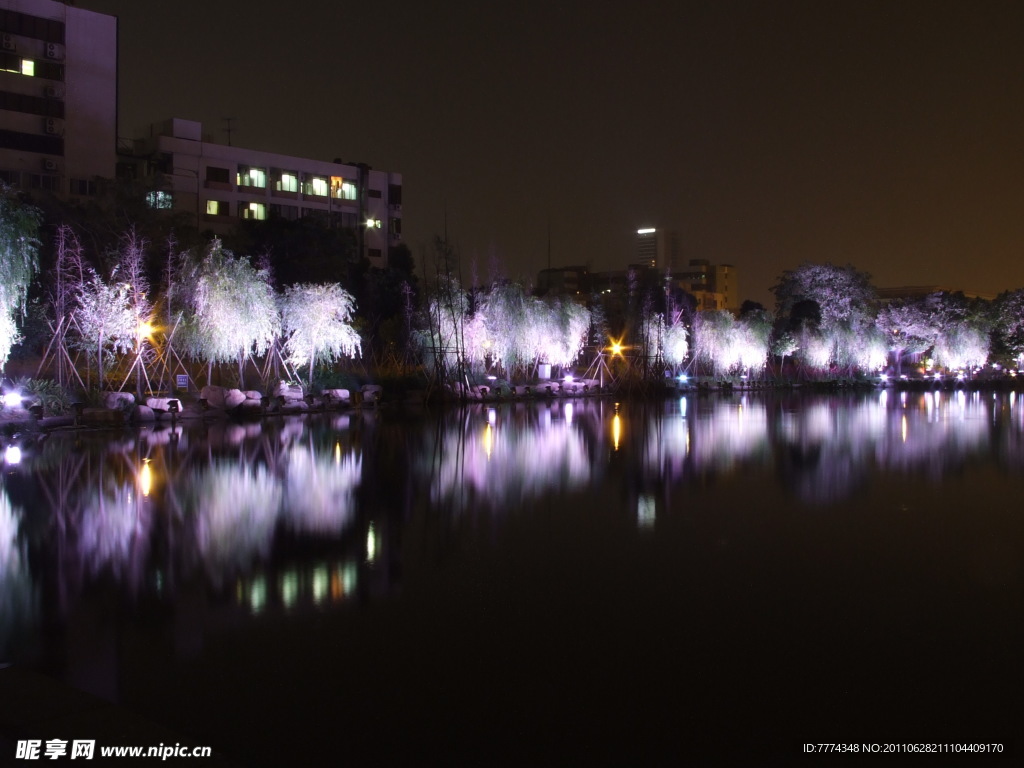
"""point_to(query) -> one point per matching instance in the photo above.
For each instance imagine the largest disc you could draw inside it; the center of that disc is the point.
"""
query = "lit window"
(216, 208)
(342, 189)
(257, 211)
(18, 66)
(252, 177)
(159, 199)
(315, 185)
(289, 182)
(373, 223)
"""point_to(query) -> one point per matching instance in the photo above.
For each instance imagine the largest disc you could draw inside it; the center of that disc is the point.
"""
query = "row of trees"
(214, 308)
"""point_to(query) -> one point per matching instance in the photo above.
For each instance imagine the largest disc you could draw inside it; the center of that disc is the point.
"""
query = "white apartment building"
(219, 184)
(58, 96)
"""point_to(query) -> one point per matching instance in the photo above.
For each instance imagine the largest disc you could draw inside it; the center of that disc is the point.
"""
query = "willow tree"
(317, 324)
(19, 262)
(232, 310)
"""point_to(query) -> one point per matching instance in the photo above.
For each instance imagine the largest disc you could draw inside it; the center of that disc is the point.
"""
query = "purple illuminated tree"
(908, 328)
(104, 318)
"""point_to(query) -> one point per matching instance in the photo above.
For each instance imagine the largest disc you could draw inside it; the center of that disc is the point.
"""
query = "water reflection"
(294, 514)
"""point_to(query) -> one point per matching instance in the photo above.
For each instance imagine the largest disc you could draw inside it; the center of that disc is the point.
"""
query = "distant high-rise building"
(58, 96)
(657, 248)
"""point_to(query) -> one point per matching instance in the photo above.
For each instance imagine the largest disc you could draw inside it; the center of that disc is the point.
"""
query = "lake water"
(572, 582)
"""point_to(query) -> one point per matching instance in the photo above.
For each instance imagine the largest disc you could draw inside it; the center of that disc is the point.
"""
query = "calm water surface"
(546, 583)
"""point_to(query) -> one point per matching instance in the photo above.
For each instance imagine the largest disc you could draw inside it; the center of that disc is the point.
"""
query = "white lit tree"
(232, 310)
(715, 341)
(19, 263)
(105, 319)
(316, 321)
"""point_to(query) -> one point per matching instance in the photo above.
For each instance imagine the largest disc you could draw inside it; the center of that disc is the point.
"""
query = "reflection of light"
(492, 416)
(257, 595)
(337, 454)
(12, 455)
(682, 407)
(371, 544)
(12, 400)
(488, 441)
(321, 583)
(145, 478)
(904, 428)
(883, 397)
(616, 430)
(289, 588)
(568, 413)
(645, 511)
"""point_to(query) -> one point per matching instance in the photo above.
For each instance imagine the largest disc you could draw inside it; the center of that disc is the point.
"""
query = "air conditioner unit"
(53, 92)
(53, 51)
(50, 165)
(52, 126)
(9, 44)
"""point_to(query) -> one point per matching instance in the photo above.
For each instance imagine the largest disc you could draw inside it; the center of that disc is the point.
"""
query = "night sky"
(883, 134)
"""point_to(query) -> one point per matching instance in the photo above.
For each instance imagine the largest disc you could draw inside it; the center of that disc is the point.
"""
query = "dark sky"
(883, 134)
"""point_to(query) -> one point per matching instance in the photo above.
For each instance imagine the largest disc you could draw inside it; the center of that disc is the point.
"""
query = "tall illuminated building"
(657, 248)
(58, 97)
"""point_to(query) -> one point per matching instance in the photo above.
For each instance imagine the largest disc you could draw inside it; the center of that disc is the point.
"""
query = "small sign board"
(181, 381)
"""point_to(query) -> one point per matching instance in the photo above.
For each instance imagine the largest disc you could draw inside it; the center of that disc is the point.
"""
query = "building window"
(31, 105)
(252, 177)
(395, 194)
(287, 212)
(52, 183)
(31, 142)
(342, 189)
(254, 211)
(396, 226)
(375, 254)
(315, 185)
(83, 187)
(217, 208)
(160, 199)
(217, 175)
(16, 64)
(376, 193)
(36, 27)
(287, 182)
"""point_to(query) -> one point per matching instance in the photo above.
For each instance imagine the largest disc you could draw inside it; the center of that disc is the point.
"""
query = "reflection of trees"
(17, 592)
(831, 445)
(492, 456)
(216, 494)
(319, 489)
(113, 530)
(236, 509)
